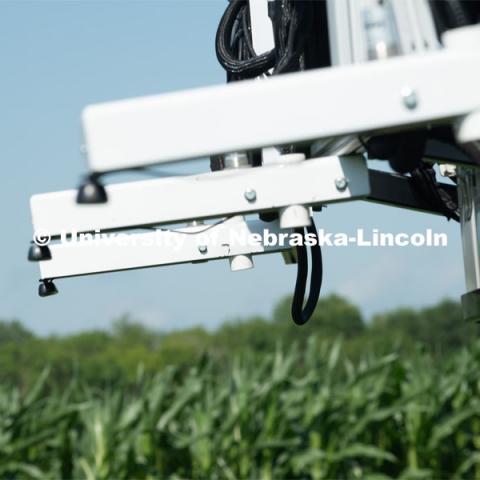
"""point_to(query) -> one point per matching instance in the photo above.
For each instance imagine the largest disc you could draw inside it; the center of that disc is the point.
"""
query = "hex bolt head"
(203, 249)
(410, 99)
(341, 183)
(250, 195)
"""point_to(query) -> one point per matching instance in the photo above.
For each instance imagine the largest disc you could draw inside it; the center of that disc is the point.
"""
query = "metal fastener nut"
(341, 183)
(250, 195)
(236, 160)
(409, 97)
(202, 249)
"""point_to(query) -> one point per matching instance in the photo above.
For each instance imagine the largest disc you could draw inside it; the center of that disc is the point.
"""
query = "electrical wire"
(152, 172)
(292, 26)
(392, 147)
(301, 314)
(198, 232)
(209, 227)
(425, 180)
(231, 58)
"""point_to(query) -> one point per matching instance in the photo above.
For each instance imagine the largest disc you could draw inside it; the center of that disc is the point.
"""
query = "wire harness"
(292, 25)
(301, 314)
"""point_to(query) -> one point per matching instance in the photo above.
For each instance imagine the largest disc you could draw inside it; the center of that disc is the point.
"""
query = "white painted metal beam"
(286, 109)
(158, 248)
(209, 195)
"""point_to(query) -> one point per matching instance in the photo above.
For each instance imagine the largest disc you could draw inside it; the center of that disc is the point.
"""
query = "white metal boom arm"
(372, 97)
(352, 99)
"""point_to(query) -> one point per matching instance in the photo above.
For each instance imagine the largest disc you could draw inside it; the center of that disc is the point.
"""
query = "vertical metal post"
(469, 199)
(468, 135)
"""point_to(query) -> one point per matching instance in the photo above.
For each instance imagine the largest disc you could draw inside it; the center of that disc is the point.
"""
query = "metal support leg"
(469, 198)
(468, 133)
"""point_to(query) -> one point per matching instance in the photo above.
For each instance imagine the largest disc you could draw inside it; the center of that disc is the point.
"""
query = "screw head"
(409, 97)
(202, 249)
(250, 195)
(341, 183)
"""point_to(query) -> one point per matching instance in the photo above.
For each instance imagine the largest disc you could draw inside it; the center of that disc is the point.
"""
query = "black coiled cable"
(301, 314)
(292, 25)
(250, 67)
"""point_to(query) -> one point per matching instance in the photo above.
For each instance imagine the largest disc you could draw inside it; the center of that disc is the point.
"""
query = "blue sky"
(57, 57)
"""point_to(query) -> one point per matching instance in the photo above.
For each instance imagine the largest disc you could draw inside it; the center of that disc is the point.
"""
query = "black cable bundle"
(292, 26)
(450, 14)
(301, 315)
(234, 46)
(456, 13)
(405, 151)
(427, 185)
(292, 23)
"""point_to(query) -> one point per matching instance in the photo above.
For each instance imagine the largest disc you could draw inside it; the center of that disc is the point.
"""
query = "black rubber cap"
(38, 253)
(47, 288)
(91, 192)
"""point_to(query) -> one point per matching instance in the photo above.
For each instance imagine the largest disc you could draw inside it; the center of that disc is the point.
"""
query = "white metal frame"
(328, 104)
(286, 109)
(210, 195)
(416, 26)
(232, 239)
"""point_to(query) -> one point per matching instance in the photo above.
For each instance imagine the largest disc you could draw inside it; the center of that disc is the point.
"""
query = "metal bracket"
(399, 191)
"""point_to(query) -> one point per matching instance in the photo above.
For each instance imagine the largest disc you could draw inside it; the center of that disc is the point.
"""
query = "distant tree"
(13, 331)
(127, 330)
(254, 333)
(182, 347)
(439, 328)
(401, 322)
(444, 328)
(334, 316)
(116, 356)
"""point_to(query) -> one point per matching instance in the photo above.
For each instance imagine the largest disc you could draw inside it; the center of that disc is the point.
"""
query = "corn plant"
(293, 413)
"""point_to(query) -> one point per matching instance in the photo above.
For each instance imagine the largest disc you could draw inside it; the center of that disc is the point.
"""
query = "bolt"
(236, 160)
(341, 183)
(250, 195)
(202, 249)
(410, 99)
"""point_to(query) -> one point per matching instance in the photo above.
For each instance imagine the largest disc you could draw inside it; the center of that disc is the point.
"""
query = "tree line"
(118, 355)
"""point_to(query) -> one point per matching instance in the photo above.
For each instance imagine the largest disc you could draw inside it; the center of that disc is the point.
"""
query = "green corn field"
(294, 413)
